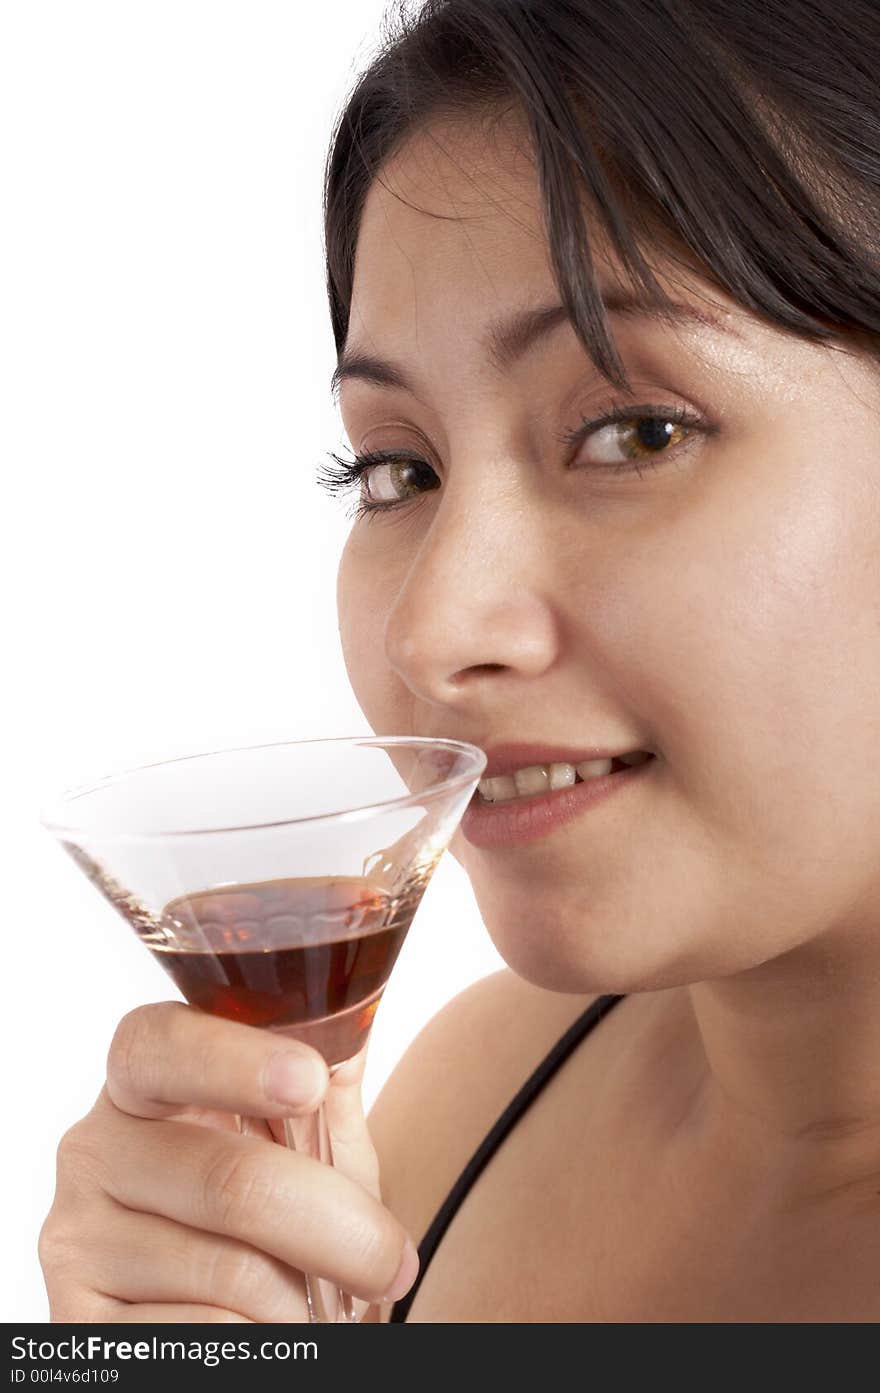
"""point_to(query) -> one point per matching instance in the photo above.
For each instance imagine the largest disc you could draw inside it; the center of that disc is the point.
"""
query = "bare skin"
(595, 1208)
(713, 1152)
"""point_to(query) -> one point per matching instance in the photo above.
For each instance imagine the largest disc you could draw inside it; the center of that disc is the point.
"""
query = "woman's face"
(719, 605)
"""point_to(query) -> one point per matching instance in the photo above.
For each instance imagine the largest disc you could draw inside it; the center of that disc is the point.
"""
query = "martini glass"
(276, 884)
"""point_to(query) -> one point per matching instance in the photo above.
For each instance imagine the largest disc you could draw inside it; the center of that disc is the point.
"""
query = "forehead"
(456, 213)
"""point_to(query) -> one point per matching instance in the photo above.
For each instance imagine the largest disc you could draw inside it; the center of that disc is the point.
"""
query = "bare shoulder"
(453, 1082)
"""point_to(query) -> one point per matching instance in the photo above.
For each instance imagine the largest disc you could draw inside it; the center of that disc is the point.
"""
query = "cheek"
(349, 613)
(363, 600)
(760, 663)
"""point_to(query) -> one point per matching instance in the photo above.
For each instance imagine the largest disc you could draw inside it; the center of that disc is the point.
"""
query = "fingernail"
(406, 1274)
(291, 1079)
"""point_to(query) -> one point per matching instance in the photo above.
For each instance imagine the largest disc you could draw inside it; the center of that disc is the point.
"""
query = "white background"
(168, 560)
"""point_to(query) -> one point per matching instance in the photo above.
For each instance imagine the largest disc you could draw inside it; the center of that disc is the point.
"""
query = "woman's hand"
(164, 1211)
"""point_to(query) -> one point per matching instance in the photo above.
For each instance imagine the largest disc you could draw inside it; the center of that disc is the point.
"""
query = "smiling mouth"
(541, 779)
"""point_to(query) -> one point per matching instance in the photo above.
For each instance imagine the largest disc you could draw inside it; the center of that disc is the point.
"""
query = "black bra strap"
(493, 1139)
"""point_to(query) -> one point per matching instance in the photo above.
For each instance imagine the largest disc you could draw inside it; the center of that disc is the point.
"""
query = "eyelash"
(344, 475)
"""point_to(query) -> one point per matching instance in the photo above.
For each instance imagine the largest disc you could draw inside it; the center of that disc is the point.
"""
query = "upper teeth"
(539, 778)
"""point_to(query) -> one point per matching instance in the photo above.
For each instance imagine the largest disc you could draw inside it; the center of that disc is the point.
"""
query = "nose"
(473, 606)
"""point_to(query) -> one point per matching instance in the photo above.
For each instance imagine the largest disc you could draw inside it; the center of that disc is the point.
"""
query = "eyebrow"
(508, 340)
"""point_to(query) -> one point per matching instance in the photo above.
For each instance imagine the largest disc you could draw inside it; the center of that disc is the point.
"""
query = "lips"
(519, 820)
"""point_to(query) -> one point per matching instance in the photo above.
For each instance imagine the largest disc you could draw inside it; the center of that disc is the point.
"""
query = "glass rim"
(51, 814)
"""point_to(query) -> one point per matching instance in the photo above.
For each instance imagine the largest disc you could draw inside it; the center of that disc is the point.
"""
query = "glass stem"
(309, 1135)
(328, 1304)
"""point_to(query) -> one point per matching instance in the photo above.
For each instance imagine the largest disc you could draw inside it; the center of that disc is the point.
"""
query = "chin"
(565, 951)
(560, 941)
(580, 969)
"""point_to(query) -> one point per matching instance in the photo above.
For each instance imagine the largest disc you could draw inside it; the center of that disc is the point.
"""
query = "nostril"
(478, 669)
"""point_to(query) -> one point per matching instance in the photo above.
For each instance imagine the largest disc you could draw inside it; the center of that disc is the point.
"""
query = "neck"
(789, 1067)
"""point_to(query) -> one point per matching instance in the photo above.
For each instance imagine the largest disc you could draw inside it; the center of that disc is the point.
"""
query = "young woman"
(604, 278)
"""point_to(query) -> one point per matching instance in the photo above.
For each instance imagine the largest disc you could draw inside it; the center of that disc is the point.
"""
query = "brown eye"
(629, 436)
(395, 479)
(399, 479)
(639, 439)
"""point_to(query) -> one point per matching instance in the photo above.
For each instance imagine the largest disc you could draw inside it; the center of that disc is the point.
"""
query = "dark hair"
(744, 133)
